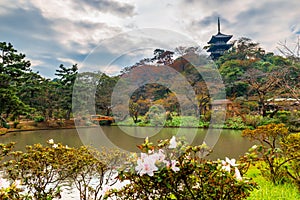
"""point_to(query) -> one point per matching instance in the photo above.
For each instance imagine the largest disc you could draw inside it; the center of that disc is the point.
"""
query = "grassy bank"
(268, 191)
(177, 121)
(235, 122)
(182, 121)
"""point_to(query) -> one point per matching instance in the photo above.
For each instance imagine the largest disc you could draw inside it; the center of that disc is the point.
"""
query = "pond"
(227, 142)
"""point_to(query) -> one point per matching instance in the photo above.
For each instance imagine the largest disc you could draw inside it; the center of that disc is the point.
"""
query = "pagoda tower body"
(218, 44)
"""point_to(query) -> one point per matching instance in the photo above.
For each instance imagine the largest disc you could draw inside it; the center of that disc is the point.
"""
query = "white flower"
(146, 165)
(226, 166)
(150, 151)
(173, 166)
(51, 141)
(167, 163)
(160, 156)
(228, 163)
(3, 183)
(55, 145)
(237, 174)
(173, 143)
(231, 161)
(139, 166)
(143, 156)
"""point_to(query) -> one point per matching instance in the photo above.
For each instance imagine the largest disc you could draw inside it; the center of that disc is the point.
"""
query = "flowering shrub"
(93, 171)
(148, 163)
(175, 170)
(42, 170)
(8, 190)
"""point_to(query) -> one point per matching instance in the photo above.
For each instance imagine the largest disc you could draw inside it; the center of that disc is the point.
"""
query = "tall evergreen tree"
(67, 77)
(13, 70)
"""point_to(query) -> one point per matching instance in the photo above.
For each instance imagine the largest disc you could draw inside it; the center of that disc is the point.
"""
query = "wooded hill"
(254, 80)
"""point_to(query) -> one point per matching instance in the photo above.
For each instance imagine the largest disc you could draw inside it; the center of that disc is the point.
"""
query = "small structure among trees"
(218, 44)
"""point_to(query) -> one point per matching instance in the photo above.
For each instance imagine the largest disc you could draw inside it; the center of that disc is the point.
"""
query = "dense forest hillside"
(256, 82)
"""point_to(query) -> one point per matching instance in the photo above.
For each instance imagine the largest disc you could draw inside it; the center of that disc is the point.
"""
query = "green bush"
(253, 120)
(175, 122)
(268, 120)
(39, 119)
(156, 116)
(283, 116)
(5, 125)
(189, 121)
(203, 124)
(185, 121)
(235, 123)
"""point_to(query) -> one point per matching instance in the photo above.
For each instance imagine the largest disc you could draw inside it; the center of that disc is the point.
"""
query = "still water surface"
(230, 143)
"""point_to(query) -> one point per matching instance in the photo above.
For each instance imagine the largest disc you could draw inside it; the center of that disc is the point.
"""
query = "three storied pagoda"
(218, 44)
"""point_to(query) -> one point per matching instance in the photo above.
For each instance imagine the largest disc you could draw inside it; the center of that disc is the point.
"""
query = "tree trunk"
(68, 114)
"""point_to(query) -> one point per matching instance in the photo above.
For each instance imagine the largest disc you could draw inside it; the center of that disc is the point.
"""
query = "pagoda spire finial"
(218, 43)
(219, 30)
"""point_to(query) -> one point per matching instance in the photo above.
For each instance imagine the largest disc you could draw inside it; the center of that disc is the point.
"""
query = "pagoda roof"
(218, 43)
(215, 47)
(219, 37)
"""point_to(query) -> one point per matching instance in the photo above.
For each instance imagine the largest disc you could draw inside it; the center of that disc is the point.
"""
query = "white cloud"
(85, 10)
(50, 32)
(82, 36)
(67, 60)
(266, 22)
(35, 62)
(111, 69)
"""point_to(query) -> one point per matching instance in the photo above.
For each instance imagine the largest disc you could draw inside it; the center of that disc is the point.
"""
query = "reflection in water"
(230, 143)
(65, 136)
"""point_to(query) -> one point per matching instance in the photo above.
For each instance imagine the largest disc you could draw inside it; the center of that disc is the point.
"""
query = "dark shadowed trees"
(13, 70)
(67, 77)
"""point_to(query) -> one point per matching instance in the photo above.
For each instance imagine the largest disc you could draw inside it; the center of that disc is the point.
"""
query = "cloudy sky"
(57, 32)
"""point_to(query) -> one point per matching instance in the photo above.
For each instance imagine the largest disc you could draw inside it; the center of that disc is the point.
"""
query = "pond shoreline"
(70, 124)
(23, 126)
